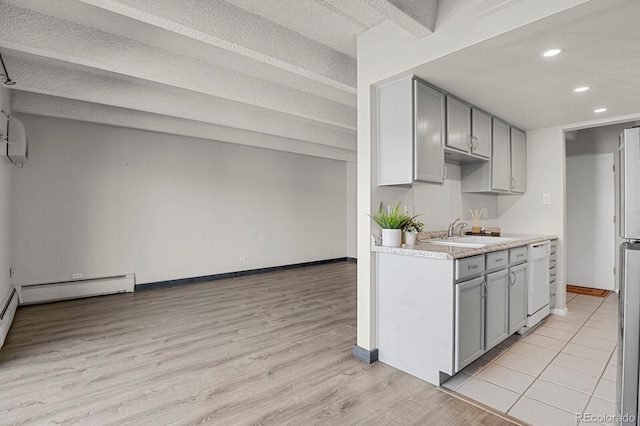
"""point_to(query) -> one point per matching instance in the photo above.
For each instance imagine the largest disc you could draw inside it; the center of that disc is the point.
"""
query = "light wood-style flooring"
(264, 349)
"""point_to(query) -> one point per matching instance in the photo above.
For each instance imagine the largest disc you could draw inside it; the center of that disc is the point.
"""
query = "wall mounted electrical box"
(16, 150)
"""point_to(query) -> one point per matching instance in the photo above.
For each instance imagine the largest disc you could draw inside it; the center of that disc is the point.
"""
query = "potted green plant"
(391, 222)
(411, 228)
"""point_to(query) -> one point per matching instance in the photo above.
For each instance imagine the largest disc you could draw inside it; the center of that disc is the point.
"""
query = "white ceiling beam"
(81, 83)
(221, 24)
(28, 31)
(131, 28)
(417, 17)
(39, 104)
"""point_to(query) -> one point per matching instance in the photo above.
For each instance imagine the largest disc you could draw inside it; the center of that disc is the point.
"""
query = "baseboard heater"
(7, 313)
(50, 292)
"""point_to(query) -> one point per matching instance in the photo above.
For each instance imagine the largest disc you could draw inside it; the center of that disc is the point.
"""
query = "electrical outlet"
(485, 212)
(546, 199)
(242, 258)
(76, 276)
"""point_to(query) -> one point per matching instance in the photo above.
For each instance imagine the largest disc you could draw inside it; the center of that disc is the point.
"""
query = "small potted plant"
(411, 228)
(391, 223)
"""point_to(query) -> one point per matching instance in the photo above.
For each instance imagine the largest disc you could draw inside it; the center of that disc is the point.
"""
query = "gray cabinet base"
(368, 356)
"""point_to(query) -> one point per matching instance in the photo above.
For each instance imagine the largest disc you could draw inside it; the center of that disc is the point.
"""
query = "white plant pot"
(410, 238)
(391, 237)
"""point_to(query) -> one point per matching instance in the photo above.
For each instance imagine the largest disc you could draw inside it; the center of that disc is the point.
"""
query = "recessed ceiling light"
(581, 89)
(600, 110)
(552, 52)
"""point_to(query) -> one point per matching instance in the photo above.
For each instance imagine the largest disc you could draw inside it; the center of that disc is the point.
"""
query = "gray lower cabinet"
(517, 297)
(469, 321)
(497, 309)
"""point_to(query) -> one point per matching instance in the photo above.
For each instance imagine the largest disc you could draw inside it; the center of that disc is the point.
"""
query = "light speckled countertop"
(436, 251)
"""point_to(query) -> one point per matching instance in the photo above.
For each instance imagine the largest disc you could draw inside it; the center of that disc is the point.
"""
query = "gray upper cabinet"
(429, 134)
(501, 159)
(518, 162)
(468, 133)
(458, 125)
(481, 131)
(506, 173)
(421, 127)
(411, 133)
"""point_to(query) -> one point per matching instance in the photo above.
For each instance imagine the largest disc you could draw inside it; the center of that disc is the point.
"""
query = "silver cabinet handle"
(470, 142)
(515, 278)
(444, 171)
(512, 182)
(475, 143)
(520, 255)
(484, 289)
(472, 267)
(500, 260)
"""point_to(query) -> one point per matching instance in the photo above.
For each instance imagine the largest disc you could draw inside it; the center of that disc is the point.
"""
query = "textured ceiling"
(281, 69)
(507, 75)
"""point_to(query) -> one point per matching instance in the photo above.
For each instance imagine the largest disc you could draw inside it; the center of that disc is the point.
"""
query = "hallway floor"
(561, 372)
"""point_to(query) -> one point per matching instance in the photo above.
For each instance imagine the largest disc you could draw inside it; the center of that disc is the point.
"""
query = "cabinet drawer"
(469, 266)
(518, 254)
(497, 259)
(552, 289)
(552, 275)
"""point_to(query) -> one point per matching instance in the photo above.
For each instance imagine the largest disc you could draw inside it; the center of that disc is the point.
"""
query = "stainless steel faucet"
(453, 228)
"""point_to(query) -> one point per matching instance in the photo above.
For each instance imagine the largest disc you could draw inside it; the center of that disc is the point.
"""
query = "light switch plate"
(546, 199)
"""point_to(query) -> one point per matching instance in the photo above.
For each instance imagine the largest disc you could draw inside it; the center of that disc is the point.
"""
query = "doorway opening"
(592, 206)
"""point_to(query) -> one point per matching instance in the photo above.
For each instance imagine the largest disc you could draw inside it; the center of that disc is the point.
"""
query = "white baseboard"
(8, 308)
(49, 292)
(559, 311)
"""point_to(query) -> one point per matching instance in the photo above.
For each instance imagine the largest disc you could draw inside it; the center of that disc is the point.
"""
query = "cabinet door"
(481, 131)
(518, 162)
(517, 297)
(458, 125)
(469, 327)
(395, 133)
(497, 309)
(429, 108)
(500, 157)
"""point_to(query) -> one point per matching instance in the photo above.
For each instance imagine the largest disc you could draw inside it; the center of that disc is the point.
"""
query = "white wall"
(102, 200)
(439, 204)
(352, 208)
(5, 182)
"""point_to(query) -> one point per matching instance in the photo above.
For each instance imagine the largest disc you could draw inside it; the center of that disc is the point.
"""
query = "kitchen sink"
(471, 241)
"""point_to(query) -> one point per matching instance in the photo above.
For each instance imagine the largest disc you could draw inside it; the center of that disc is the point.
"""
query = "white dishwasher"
(537, 283)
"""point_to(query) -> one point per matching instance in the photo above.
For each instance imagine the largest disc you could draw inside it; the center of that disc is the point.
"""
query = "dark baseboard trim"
(193, 280)
(365, 355)
(352, 259)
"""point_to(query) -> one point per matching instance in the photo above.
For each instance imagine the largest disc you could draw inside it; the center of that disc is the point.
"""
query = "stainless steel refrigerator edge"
(628, 399)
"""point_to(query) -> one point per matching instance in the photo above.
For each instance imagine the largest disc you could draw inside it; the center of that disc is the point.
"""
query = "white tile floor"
(560, 370)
